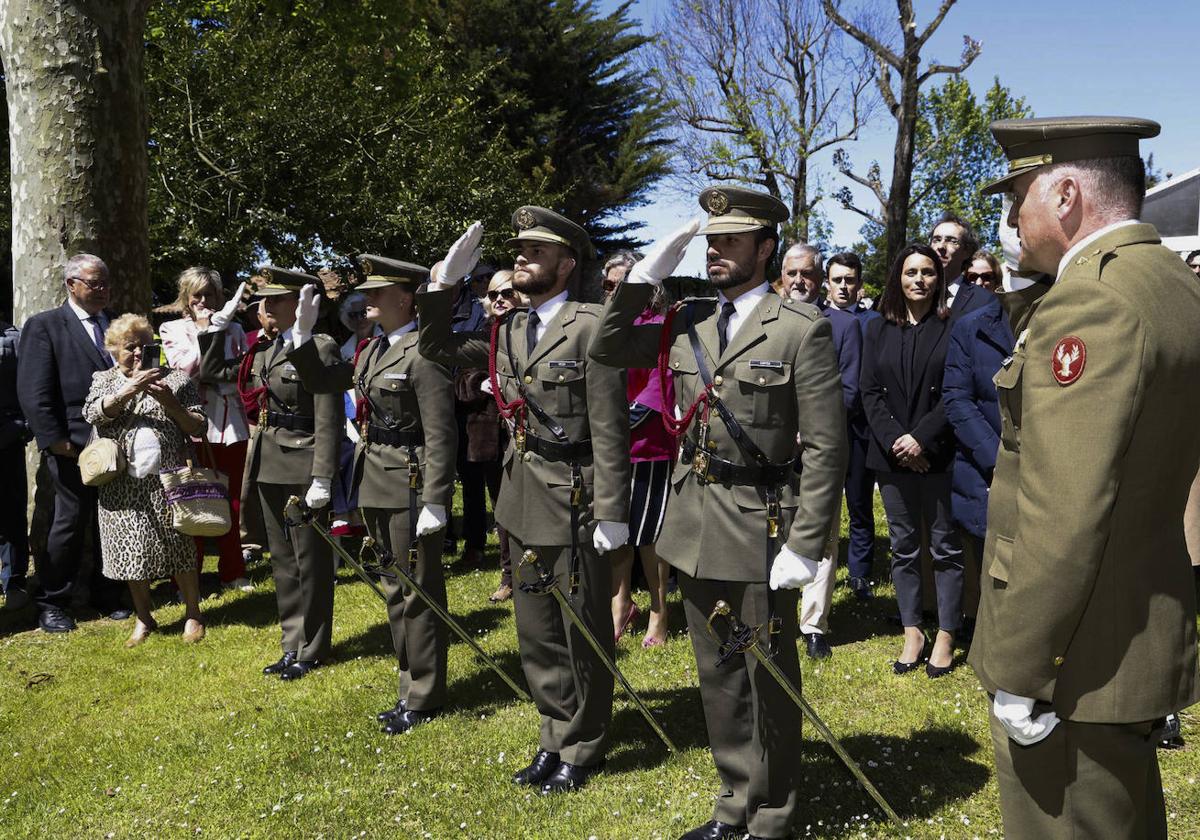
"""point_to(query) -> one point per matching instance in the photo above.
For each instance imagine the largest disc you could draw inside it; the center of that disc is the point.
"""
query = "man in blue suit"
(60, 349)
(956, 243)
(802, 277)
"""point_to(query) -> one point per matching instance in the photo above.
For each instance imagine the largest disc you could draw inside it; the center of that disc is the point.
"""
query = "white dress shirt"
(83, 315)
(742, 307)
(952, 290)
(394, 335)
(1074, 250)
(547, 311)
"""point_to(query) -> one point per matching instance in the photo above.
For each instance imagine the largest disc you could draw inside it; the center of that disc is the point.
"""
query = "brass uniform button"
(560, 377)
(528, 379)
(527, 457)
(762, 380)
(675, 365)
(1058, 661)
(718, 380)
(712, 444)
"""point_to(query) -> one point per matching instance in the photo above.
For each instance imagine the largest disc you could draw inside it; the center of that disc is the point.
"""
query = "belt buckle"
(700, 463)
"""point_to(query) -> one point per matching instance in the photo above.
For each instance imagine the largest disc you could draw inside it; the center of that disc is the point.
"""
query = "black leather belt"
(393, 437)
(292, 422)
(552, 450)
(713, 470)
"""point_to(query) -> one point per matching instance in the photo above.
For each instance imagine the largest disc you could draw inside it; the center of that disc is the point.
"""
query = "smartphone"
(150, 353)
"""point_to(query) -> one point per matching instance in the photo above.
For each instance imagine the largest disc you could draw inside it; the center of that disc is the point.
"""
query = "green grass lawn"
(175, 740)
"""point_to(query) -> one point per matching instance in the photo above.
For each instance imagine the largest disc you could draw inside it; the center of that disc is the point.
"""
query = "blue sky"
(1063, 56)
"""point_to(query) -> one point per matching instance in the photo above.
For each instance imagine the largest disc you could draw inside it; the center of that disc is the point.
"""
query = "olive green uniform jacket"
(1088, 601)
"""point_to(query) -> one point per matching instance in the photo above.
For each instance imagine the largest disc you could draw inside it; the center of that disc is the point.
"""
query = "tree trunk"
(77, 134)
(899, 194)
(800, 201)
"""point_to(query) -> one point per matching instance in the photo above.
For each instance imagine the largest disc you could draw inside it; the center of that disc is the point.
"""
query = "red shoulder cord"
(255, 397)
(674, 427)
(362, 409)
(508, 410)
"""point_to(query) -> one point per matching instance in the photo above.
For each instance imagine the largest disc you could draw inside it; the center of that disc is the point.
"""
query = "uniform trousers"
(419, 637)
(302, 565)
(914, 503)
(753, 726)
(1084, 781)
(570, 685)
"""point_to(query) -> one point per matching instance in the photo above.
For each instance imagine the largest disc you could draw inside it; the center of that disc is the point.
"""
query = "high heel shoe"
(900, 668)
(934, 671)
(630, 617)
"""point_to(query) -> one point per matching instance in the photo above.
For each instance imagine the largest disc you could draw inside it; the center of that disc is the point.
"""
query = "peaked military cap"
(384, 271)
(281, 281)
(740, 210)
(1029, 144)
(541, 225)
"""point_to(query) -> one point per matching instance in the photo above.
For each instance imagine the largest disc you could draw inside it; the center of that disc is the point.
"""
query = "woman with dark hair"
(912, 447)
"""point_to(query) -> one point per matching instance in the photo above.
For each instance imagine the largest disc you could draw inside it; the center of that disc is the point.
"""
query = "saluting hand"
(306, 315)
(664, 256)
(219, 320)
(463, 255)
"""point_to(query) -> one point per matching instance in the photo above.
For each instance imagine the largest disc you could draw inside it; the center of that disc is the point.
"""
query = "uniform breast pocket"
(767, 384)
(1008, 391)
(685, 377)
(564, 385)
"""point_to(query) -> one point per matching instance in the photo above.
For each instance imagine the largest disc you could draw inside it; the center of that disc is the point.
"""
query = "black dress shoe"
(817, 646)
(569, 777)
(861, 587)
(299, 669)
(934, 671)
(543, 764)
(387, 714)
(407, 719)
(1170, 737)
(275, 668)
(119, 614)
(54, 620)
(716, 830)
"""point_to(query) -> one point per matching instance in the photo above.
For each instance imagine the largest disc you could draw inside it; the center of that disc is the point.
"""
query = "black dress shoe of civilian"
(543, 764)
(120, 614)
(716, 830)
(299, 669)
(817, 646)
(861, 587)
(407, 719)
(387, 714)
(54, 620)
(760, 837)
(567, 777)
(275, 668)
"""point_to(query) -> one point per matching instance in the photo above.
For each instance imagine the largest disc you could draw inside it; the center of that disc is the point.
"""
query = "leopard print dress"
(137, 541)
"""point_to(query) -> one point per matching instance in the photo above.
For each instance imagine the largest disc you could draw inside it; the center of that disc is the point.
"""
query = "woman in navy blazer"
(912, 447)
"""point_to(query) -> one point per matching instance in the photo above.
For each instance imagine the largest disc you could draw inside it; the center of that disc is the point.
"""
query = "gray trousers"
(916, 504)
(571, 687)
(302, 565)
(419, 637)
(753, 726)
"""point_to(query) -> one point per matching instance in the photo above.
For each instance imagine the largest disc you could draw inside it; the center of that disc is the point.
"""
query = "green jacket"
(779, 376)
(407, 393)
(1088, 599)
(587, 400)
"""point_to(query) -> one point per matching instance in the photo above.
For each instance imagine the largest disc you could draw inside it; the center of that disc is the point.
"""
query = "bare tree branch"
(867, 40)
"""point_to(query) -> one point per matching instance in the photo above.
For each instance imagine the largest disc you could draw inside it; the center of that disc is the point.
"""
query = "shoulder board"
(592, 309)
(698, 299)
(806, 310)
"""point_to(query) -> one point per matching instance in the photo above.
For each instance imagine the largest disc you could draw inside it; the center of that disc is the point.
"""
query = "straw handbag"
(198, 498)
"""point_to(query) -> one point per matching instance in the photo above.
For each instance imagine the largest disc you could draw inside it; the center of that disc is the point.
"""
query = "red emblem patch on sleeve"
(1068, 359)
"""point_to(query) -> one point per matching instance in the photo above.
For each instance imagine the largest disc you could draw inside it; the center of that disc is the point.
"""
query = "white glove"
(306, 315)
(1015, 715)
(486, 386)
(610, 535)
(219, 320)
(664, 257)
(791, 571)
(318, 493)
(432, 518)
(462, 257)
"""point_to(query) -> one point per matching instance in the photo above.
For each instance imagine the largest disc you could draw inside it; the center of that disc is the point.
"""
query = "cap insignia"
(718, 202)
(367, 267)
(525, 219)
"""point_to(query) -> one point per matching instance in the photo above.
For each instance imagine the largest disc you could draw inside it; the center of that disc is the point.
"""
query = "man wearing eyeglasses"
(954, 241)
(60, 349)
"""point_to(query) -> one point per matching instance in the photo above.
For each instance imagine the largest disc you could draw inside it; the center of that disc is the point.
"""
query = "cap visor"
(1004, 184)
(274, 291)
(536, 236)
(728, 226)
(376, 284)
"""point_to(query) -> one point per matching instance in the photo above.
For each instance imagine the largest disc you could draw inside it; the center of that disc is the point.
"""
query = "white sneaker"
(241, 584)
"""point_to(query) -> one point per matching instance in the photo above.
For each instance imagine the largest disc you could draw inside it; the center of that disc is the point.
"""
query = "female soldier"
(294, 451)
(404, 463)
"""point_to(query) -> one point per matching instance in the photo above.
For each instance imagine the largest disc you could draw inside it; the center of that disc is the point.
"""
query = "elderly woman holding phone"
(150, 411)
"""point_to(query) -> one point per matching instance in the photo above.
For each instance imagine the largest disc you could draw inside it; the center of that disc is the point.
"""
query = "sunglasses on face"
(357, 313)
(507, 294)
(985, 276)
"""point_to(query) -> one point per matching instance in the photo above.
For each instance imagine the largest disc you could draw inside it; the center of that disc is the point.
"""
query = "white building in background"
(1173, 207)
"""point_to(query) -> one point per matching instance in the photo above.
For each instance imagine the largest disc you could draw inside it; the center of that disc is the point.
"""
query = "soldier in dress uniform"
(1086, 635)
(293, 451)
(403, 468)
(565, 486)
(751, 508)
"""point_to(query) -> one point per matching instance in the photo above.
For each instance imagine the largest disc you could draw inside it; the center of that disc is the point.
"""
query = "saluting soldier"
(565, 485)
(403, 468)
(293, 451)
(1086, 635)
(752, 508)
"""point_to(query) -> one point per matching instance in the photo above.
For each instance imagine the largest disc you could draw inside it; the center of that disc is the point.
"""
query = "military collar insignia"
(525, 219)
(718, 203)
(1068, 359)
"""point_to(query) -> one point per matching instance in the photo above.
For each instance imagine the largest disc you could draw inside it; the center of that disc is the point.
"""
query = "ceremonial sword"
(743, 638)
(545, 584)
(305, 516)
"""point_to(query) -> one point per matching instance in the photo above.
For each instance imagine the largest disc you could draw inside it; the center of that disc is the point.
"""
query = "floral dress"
(137, 541)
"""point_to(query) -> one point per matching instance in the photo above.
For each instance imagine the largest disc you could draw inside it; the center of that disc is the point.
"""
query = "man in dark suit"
(60, 349)
(955, 243)
(14, 434)
(802, 277)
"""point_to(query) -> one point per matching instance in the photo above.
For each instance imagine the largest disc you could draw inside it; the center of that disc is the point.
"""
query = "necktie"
(727, 311)
(531, 332)
(275, 353)
(384, 344)
(98, 338)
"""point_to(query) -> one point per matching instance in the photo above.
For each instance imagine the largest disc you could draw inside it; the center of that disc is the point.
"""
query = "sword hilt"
(383, 559)
(303, 513)
(540, 585)
(741, 636)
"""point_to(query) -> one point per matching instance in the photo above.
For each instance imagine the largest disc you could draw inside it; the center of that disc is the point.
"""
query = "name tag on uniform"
(565, 363)
(766, 364)
(395, 376)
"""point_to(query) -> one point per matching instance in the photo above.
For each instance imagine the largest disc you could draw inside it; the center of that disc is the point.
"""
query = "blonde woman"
(200, 295)
(150, 412)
